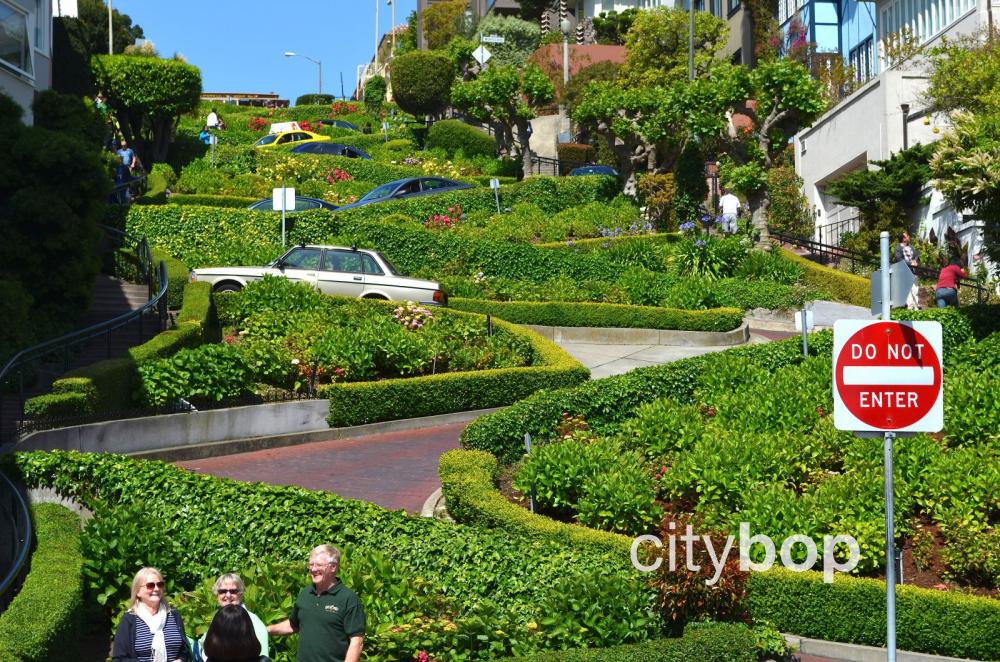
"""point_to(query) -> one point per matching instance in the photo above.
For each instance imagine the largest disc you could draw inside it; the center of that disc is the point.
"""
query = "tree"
(70, 57)
(599, 71)
(375, 88)
(965, 75)
(521, 38)
(443, 21)
(892, 191)
(407, 41)
(53, 189)
(94, 20)
(421, 82)
(657, 46)
(506, 97)
(612, 27)
(148, 95)
(532, 10)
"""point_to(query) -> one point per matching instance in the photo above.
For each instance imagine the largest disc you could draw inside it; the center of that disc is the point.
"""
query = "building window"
(732, 6)
(15, 48)
(861, 58)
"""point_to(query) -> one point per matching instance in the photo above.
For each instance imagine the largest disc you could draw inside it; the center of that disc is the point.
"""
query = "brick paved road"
(394, 470)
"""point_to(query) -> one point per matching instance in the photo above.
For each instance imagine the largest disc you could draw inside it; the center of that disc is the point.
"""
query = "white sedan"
(336, 270)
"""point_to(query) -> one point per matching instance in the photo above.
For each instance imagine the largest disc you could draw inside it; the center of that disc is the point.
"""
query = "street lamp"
(111, 48)
(691, 42)
(318, 63)
(905, 107)
(565, 27)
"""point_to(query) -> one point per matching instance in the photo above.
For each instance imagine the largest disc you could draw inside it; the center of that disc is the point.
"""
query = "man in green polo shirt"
(327, 615)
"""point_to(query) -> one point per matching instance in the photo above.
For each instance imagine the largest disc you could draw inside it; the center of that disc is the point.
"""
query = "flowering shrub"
(635, 230)
(257, 124)
(445, 221)
(412, 316)
(338, 175)
(343, 108)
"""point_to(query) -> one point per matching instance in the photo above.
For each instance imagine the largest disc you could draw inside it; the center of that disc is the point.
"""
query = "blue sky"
(239, 45)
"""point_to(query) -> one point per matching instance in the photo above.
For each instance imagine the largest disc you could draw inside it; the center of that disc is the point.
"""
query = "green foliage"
(658, 193)
(556, 313)
(71, 57)
(41, 623)
(521, 38)
(69, 114)
(842, 286)
(454, 136)
(94, 21)
(442, 21)
(375, 89)
(230, 201)
(789, 211)
(148, 95)
(421, 81)
(313, 99)
(965, 75)
(657, 46)
(574, 154)
(599, 71)
(612, 27)
(892, 191)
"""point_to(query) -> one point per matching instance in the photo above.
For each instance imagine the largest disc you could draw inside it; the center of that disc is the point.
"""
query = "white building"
(869, 125)
(25, 50)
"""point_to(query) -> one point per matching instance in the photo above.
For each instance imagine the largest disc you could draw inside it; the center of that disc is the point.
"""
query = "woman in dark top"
(150, 631)
(231, 637)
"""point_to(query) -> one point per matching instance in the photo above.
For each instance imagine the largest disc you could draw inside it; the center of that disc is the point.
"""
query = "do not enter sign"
(887, 376)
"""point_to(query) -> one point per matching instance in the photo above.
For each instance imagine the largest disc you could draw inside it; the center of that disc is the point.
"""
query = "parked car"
(302, 203)
(341, 124)
(336, 270)
(411, 187)
(594, 170)
(288, 138)
(334, 149)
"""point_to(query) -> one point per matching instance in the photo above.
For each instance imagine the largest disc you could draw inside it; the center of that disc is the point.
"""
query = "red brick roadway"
(395, 470)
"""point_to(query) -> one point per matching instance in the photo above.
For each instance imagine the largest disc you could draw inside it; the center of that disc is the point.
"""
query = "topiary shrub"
(314, 100)
(375, 89)
(421, 82)
(657, 193)
(454, 136)
(572, 155)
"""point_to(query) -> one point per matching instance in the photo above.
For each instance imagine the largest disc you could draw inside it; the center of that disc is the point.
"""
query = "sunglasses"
(230, 591)
(151, 585)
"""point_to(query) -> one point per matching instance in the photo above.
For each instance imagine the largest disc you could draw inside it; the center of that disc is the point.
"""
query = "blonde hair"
(139, 581)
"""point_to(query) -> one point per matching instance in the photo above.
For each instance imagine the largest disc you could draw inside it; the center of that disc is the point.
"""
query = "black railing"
(831, 233)
(837, 255)
(61, 349)
(125, 192)
(15, 541)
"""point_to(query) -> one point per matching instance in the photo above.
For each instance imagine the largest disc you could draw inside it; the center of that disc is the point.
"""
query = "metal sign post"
(495, 185)
(527, 449)
(890, 537)
(212, 140)
(282, 199)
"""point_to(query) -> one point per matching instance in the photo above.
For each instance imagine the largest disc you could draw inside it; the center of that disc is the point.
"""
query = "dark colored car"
(302, 203)
(594, 170)
(334, 149)
(411, 187)
(341, 124)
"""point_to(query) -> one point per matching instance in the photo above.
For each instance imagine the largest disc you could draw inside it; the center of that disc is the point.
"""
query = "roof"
(551, 56)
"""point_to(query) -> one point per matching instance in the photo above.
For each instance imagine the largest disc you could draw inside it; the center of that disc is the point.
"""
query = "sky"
(239, 45)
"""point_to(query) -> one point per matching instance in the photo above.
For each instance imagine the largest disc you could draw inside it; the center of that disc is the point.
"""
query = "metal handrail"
(826, 251)
(20, 519)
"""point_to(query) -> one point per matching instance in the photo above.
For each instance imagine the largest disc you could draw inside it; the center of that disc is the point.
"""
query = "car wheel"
(375, 296)
(228, 287)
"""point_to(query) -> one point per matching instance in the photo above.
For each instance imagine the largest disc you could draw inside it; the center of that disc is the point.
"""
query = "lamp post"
(376, 39)
(111, 48)
(564, 27)
(905, 107)
(691, 41)
(318, 63)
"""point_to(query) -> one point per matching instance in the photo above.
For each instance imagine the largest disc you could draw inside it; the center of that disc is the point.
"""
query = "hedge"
(455, 135)
(111, 385)
(177, 277)
(314, 99)
(852, 610)
(561, 313)
(42, 621)
(842, 286)
(357, 403)
(704, 642)
(367, 170)
(233, 201)
(601, 243)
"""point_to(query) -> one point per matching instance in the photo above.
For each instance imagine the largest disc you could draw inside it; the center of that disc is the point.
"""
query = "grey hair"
(229, 578)
(329, 551)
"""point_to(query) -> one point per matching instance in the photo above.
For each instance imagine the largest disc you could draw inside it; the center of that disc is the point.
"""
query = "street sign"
(492, 39)
(495, 184)
(901, 281)
(482, 54)
(283, 199)
(887, 376)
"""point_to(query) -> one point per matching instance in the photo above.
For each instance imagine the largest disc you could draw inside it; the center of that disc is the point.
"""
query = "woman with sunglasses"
(229, 589)
(150, 631)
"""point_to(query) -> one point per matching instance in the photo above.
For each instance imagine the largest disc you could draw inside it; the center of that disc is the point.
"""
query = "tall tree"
(93, 15)
(506, 97)
(657, 46)
(443, 21)
(148, 95)
(532, 10)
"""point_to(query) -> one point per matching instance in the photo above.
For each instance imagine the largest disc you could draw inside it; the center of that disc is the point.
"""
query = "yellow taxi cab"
(290, 138)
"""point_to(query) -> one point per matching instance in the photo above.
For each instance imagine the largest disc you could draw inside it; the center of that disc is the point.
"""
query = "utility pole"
(393, 28)
(376, 39)
(691, 42)
(111, 47)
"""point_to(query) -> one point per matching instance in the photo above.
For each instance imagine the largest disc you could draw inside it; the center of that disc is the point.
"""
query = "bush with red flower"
(445, 221)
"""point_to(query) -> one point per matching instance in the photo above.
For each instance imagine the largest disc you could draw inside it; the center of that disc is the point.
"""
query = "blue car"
(341, 124)
(411, 187)
(334, 149)
(593, 170)
(302, 203)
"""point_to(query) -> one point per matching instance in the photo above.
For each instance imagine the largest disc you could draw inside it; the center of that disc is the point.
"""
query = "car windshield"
(389, 265)
(383, 191)
(267, 140)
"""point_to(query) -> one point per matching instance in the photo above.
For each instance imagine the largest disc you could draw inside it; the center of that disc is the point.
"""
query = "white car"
(336, 270)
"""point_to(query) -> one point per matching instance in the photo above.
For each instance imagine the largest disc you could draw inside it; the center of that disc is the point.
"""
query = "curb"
(858, 653)
(246, 445)
(427, 510)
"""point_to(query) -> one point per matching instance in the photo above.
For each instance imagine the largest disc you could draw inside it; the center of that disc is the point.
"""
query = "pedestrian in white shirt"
(213, 120)
(730, 210)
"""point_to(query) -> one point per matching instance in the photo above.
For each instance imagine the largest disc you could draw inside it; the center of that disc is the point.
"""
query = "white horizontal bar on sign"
(856, 375)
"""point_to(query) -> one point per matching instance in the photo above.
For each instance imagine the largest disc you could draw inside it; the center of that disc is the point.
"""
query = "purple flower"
(689, 225)
(700, 243)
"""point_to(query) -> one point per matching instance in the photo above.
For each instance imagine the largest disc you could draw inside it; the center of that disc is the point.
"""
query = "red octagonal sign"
(887, 376)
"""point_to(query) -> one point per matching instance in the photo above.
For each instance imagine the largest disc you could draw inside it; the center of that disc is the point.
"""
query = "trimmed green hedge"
(111, 385)
(42, 621)
(561, 313)
(232, 201)
(357, 403)
(842, 286)
(455, 135)
(853, 610)
(704, 642)
(177, 277)
(469, 485)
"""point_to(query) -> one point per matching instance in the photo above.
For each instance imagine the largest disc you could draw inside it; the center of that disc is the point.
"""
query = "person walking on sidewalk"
(946, 290)
(730, 205)
(908, 254)
(327, 615)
